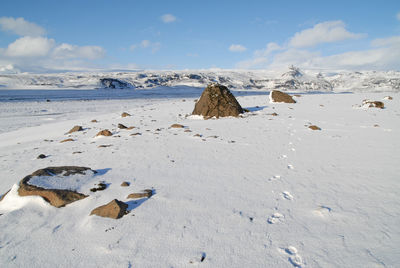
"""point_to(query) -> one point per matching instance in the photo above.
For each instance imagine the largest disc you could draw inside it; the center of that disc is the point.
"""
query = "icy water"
(92, 94)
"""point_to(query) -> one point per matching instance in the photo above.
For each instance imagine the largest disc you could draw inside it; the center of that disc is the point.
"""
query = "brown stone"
(388, 98)
(313, 127)
(146, 193)
(94, 121)
(136, 134)
(56, 197)
(124, 114)
(129, 128)
(217, 101)
(274, 114)
(75, 129)
(66, 140)
(376, 104)
(121, 126)
(114, 210)
(177, 126)
(279, 96)
(125, 184)
(104, 132)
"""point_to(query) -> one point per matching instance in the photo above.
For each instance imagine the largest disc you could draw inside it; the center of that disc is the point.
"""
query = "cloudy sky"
(40, 36)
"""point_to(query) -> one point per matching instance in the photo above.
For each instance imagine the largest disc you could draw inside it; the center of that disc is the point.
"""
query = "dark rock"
(101, 186)
(217, 101)
(56, 197)
(121, 126)
(41, 156)
(114, 83)
(115, 209)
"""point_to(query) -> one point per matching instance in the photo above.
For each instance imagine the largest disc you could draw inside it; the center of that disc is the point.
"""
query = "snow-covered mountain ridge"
(292, 80)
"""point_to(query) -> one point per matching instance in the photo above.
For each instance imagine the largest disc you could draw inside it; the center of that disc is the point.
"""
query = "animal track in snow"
(276, 217)
(287, 195)
(283, 156)
(323, 211)
(275, 177)
(290, 166)
(294, 258)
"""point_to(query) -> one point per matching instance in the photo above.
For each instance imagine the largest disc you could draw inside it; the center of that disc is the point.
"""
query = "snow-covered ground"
(254, 191)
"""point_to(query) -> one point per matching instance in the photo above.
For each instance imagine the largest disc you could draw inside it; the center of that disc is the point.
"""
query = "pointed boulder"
(114, 210)
(279, 96)
(217, 101)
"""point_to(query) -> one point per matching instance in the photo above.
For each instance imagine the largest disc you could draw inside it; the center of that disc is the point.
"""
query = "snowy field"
(255, 191)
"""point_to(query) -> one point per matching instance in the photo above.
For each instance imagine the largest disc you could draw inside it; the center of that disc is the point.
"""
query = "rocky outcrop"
(114, 83)
(217, 101)
(56, 197)
(278, 96)
(114, 210)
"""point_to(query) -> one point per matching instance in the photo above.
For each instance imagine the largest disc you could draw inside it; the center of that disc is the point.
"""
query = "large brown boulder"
(217, 101)
(279, 96)
(56, 197)
(115, 210)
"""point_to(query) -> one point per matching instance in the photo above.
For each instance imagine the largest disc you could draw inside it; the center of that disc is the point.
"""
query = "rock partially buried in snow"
(146, 193)
(104, 132)
(314, 127)
(66, 140)
(57, 185)
(125, 184)
(217, 101)
(177, 126)
(75, 129)
(279, 96)
(115, 209)
(376, 104)
(124, 114)
(122, 126)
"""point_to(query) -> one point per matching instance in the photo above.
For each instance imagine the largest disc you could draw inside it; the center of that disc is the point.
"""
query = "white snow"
(72, 182)
(252, 191)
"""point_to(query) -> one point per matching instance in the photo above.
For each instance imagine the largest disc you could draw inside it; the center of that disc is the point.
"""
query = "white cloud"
(398, 16)
(21, 27)
(325, 32)
(146, 44)
(261, 57)
(28, 46)
(237, 48)
(168, 18)
(67, 51)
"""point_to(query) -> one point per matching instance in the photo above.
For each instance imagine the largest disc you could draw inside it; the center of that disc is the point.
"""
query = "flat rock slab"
(217, 101)
(115, 209)
(146, 193)
(56, 184)
(279, 96)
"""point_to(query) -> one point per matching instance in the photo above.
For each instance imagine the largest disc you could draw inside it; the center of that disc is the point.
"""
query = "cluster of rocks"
(58, 197)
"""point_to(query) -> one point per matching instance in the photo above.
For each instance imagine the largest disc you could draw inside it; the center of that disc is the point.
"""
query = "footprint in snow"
(275, 218)
(294, 257)
(290, 166)
(286, 195)
(275, 177)
(323, 211)
(199, 260)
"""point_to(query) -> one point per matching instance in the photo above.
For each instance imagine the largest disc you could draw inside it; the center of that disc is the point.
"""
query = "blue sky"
(86, 35)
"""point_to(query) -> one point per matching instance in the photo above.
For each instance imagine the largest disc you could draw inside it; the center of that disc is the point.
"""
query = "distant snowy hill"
(293, 79)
